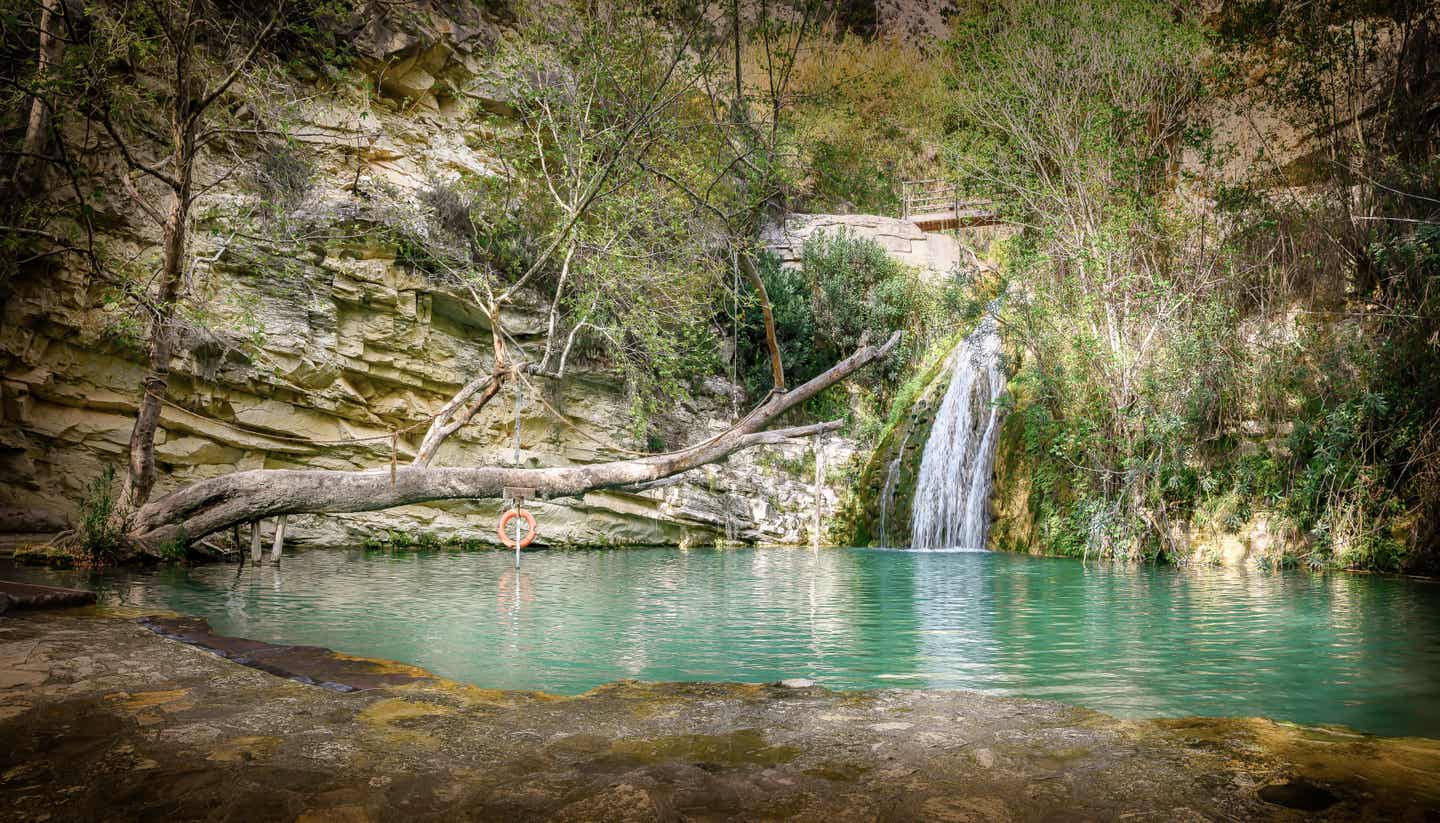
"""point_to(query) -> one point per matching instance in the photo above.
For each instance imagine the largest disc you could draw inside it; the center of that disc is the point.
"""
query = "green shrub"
(176, 548)
(845, 288)
(858, 288)
(100, 538)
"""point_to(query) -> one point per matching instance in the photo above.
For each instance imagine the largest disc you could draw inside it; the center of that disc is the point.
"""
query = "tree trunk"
(772, 341)
(455, 414)
(31, 164)
(215, 504)
(141, 478)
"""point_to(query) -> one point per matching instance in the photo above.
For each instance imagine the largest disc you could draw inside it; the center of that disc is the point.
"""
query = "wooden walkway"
(935, 205)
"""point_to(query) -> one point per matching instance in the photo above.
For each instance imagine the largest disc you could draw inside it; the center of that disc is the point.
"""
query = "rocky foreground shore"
(103, 718)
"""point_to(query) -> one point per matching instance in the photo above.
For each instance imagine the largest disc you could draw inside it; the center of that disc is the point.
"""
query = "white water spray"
(952, 493)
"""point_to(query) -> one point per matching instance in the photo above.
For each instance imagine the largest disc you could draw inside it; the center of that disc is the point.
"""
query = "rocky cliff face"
(322, 347)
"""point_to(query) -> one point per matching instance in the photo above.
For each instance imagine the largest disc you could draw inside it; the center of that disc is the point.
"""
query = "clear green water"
(1361, 651)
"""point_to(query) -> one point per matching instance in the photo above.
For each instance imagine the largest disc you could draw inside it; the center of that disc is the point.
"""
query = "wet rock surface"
(1298, 794)
(311, 665)
(101, 718)
(14, 595)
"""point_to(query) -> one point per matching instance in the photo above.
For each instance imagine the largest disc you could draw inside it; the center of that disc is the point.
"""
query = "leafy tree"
(845, 290)
(1071, 116)
(1156, 292)
(203, 58)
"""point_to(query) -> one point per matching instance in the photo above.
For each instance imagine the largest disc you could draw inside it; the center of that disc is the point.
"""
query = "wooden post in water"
(516, 521)
(279, 539)
(517, 497)
(256, 552)
(819, 498)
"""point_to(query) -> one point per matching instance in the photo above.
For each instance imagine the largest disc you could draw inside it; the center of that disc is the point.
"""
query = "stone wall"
(935, 254)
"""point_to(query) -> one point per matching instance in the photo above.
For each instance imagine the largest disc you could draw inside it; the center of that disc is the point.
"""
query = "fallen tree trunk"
(216, 504)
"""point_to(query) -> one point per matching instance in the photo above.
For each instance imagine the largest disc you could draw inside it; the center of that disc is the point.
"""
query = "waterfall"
(952, 493)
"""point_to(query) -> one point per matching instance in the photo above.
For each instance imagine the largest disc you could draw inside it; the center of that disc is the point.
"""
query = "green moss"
(398, 540)
(44, 555)
(801, 466)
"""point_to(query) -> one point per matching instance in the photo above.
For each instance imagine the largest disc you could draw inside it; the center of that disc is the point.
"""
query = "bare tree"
(210, 506)
(193, 86)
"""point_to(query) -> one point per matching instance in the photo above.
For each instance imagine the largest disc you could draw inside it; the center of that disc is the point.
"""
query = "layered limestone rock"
(362, 348)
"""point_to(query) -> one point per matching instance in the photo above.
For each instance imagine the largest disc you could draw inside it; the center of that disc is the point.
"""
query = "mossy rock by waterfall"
(1012, 515)
(860, 519)
(1012, 523)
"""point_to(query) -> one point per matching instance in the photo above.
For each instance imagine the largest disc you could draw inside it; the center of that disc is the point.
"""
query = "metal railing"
(938, 201)
(928, 197)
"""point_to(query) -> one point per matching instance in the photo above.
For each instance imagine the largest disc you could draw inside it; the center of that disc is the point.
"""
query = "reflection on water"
(1356, 650)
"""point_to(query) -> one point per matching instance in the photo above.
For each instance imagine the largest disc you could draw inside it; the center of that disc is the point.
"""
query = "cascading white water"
(952, 493)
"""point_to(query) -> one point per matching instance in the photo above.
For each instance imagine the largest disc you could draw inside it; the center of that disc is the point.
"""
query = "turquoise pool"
(1357, 650)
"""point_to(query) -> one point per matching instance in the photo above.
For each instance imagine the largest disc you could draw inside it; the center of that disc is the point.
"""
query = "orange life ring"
(529, 523)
